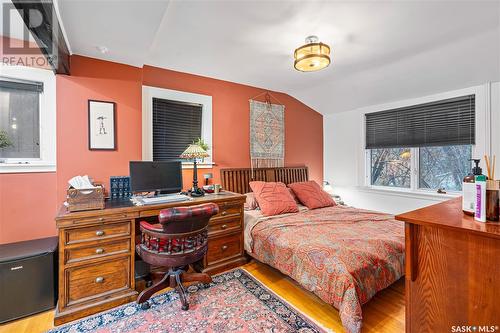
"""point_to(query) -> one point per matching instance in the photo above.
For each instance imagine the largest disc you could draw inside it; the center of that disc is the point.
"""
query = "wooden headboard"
(237, 180)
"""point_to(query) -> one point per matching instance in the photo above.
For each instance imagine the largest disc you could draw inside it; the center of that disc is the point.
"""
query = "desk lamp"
(194, 152)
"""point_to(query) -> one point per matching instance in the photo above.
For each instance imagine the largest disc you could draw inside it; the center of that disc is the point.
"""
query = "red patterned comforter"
(344, 255)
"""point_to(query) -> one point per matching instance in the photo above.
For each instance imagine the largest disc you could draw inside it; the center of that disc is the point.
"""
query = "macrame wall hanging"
(267, 133)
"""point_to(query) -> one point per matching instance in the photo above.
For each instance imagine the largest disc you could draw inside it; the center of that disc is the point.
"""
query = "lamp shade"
(312, 56)
(194, 151)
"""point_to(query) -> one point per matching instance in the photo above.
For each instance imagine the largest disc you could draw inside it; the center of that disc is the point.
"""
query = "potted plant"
(5, 142)
(202, 144)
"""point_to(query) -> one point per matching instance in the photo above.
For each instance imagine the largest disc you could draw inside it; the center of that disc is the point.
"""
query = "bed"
(342, 254)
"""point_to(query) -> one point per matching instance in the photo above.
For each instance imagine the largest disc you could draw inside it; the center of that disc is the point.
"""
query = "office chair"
(180, 240)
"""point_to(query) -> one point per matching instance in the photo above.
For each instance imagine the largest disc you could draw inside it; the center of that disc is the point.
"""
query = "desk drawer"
(107, 218)
(91, 281)
(96, 251)
(228, 208)
(223, 248)
(103, 231)
(225, 224)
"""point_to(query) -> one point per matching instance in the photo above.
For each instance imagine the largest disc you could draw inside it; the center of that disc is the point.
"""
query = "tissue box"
(85, 199)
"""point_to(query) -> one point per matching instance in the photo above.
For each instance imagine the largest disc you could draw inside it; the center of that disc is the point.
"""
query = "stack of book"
(120, 187)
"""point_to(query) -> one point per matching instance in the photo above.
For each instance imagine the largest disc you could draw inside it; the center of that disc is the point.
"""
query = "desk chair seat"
(179, 241)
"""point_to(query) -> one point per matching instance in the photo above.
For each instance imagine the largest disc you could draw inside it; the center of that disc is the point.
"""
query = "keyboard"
(163, 199)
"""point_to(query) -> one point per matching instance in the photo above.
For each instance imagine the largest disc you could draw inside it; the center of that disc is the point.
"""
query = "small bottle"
(480, 214)
(469, 190)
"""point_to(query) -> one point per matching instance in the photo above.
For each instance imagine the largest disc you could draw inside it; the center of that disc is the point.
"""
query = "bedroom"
(231, 74)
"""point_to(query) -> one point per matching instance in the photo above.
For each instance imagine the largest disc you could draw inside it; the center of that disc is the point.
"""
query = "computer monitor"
(161, 177)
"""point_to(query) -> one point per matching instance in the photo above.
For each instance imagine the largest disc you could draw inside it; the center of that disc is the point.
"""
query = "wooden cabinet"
(97, 251)
(452, 270)
(95, 264)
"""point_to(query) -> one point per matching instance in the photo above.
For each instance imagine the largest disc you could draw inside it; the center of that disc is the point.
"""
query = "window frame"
(414, 175)
(47, 120)
(148, 93)
(482, 146)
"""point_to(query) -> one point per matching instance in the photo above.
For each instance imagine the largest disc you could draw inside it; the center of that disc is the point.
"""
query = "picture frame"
(102, 125)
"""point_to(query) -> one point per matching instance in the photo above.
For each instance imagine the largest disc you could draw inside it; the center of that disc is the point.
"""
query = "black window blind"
(440, 123)
(175, 126)
(18, 85)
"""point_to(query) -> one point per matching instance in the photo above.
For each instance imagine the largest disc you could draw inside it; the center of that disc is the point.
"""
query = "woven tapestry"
(267, 134)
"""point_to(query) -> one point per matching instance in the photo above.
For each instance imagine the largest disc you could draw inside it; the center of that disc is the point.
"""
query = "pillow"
(293, 196)
(251, 203)
(311, 195)
(273, 198)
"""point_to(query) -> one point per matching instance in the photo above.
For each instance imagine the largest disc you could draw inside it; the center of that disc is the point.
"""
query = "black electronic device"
(28, 275)
(162, 177)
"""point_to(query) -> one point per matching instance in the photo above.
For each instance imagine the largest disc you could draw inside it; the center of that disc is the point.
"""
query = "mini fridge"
(28, 275)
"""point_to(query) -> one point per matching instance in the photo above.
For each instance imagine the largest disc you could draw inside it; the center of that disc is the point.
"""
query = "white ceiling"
(382, 51)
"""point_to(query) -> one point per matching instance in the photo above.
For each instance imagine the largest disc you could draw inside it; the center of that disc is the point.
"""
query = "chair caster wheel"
(145, 305)
(185, 307)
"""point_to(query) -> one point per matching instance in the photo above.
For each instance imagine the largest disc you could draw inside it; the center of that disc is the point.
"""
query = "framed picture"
(102, 129)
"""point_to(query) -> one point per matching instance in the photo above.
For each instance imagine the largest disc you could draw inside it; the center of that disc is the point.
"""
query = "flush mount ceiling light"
(312, 56)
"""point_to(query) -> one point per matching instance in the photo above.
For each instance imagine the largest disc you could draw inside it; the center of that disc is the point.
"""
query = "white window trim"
(48, 139)
(148, 93)
(481, 147)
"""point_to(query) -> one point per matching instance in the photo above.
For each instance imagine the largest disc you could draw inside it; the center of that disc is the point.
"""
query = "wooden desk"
(452, 269)
(97, 251)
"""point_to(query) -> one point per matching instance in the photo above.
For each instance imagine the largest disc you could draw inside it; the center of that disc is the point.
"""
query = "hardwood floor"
(384, 313)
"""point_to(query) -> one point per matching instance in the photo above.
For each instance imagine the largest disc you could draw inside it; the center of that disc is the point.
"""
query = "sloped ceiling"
(382, 51)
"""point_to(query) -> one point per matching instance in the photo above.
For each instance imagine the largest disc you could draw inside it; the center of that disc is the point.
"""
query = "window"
(175, 126)
(27, 120)
(444, 167)
(391, 167)
(426, 146)
(19, 119)
(172, 120)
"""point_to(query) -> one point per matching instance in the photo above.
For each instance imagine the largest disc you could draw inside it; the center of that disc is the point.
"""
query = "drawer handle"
(101, 219)
(223, 247)
(224, 213)
(99, 251)
(99, 233)
(224, 226)
(99, 279)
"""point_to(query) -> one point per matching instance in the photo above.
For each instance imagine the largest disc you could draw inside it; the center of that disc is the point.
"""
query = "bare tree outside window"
(440, 167)
(444, 167)
(391, 167)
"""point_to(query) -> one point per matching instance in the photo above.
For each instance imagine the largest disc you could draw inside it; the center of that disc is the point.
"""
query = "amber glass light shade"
(312, 57)
(194, 151)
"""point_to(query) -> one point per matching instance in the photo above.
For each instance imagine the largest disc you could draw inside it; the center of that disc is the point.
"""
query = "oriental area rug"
(234, 302)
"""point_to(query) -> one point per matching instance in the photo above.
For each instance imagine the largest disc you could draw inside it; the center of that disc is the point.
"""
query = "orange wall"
(27, 206)
(28, 215)
(99, 80)
(231, 121)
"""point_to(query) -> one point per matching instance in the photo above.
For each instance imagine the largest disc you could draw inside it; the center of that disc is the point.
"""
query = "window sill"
(190, 165)
(26, 167)
(415, 194)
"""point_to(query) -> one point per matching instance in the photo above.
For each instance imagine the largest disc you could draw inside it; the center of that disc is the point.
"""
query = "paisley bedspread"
(342, 254)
